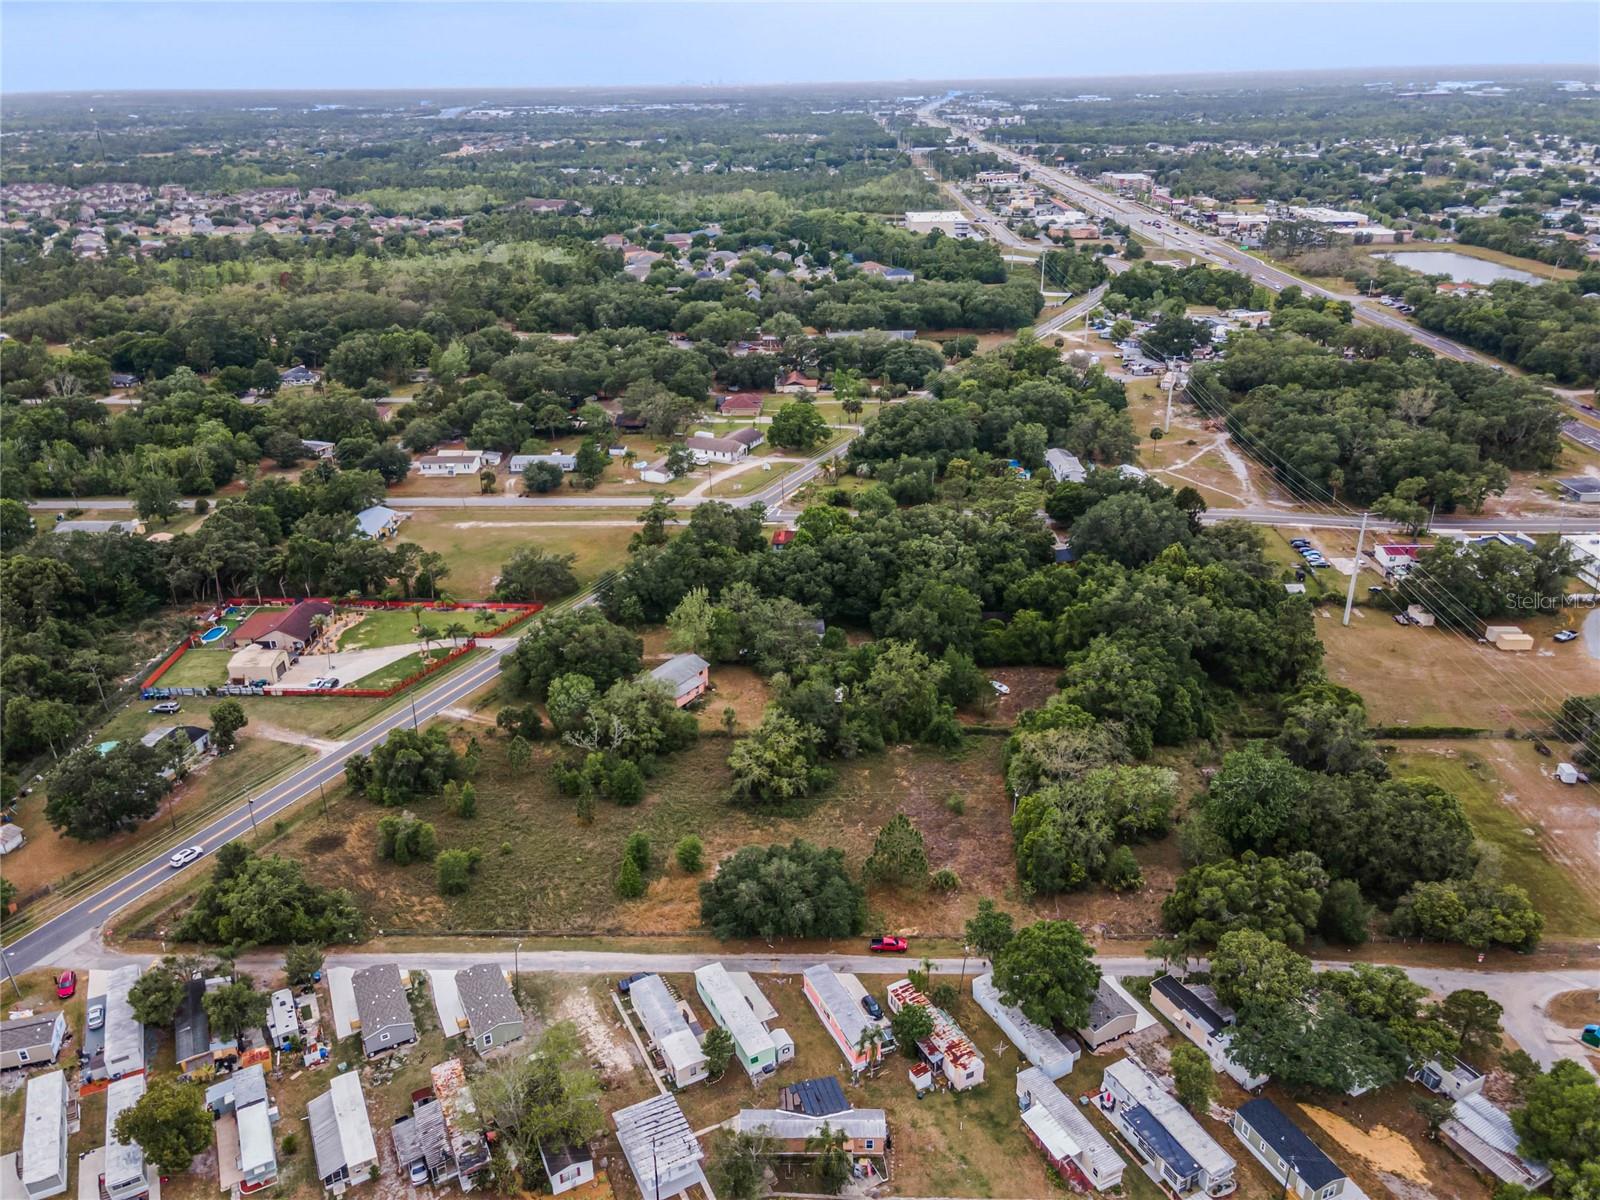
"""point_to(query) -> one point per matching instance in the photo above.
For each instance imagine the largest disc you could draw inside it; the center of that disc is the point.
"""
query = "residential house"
(1059, 1128)
(283, 1019)
(32, 1041)
(177, 745)
(521, 462)
(947, 1051)
(11, 837)
(244, 1115)
(655, 472)
(730, 1007)
(128, 526)
(191, 1029)
(1205, 1021)
(841, 1014)
(660, 1147)
(1040, 1046)
(566, 1167)
(117, 1047)
(741, 404)
(1289, 1156)
(866, 1130)
(1395, 560)
(124, 1175)
(708, 449)
(1448, 1076)
(1482, 1132)
(1113, 1013)
(751, 437)
(493, 1015)
(886, 273)
(448, 465)
(257, 666)
(781, 538)
(686, 676)
(1064, 467)
(797, 382)
(383, 1008)
(668, 1030)
(317, 449)
(298, 376)
(420, 1138)
(291, 629)
(341, 1134)
(44, 1137)
(122, 379)
(1175, 1150)
(818, 1097)
(378, 522)
(468, 1145)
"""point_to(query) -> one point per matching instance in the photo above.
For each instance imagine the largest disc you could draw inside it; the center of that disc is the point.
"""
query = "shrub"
(638, 849)
(1122, 871)
(945, 880)
(625, 783)
(956, 803)
(630, 882)
(290, 1143)
(455, 868)
(690, 854)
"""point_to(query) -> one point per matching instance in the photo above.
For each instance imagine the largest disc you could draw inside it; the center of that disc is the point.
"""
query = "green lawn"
(400, 669)
(396, 628)
(1567, 911)
(477, 544)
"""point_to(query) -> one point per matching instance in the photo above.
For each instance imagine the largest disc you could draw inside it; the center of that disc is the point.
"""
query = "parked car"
(184, 857)
(166, 707)
(318, 682)
(66, 985)
(1401, 619)
(887, 945)
(624, 984)
(1299, 543)
(871, 1008)
(1567, 635)
(97, 1016)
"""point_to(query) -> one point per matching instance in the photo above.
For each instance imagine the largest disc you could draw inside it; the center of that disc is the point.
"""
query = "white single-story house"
(1183, 1156)
(378, 522)
(1040, 1046)
(32, 1041)
(1205, 1021)
(708, 449)
(660, 1147)
(521, 462)
(341, 1134)
(667, 1030)
(1064, 467)
(1482, 1132)
(43, 1167)
(1059, 1128)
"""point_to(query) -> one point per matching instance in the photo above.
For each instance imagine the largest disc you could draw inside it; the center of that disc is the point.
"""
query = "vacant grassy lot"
(401, 669)
(1413, 676)
(1547, 834)
(543, 868)
(477, 544)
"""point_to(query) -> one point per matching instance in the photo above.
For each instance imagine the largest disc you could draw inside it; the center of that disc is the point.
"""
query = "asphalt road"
(46, 943)
(1582, 433)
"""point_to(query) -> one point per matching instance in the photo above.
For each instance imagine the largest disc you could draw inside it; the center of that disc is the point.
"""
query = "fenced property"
(363, 646)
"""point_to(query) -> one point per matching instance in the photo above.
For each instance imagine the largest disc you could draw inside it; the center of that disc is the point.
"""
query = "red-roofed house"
(782, 538)
(794, 381)
(1395, 561)
(287, 629)
(740, 404)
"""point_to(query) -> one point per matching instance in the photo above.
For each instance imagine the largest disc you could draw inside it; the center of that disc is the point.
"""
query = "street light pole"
(516, 971)
(6, 958)
(250, 807)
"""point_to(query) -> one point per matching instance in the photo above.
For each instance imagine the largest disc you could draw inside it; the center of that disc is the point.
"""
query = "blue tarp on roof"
(1161, 1143)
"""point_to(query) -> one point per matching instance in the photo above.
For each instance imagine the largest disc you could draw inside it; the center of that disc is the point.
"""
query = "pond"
(1461, 268)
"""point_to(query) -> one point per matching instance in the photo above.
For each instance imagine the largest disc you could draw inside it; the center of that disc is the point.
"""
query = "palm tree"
(455, 631)
(868, 1044)
(427, 635)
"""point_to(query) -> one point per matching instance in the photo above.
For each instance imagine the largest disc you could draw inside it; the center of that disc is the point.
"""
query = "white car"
(184, 857)
(97, 1016)
(1000, 689)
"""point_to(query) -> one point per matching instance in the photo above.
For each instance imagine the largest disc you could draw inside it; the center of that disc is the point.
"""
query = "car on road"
(184, 857)
(166, 708)
(1567, 635)
(97, 1016)
(1000, 689)
(871, 1008)
(888, 944)
(66, 985)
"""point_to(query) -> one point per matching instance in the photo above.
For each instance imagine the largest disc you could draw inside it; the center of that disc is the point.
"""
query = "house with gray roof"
(687, 677)
(383, 1009)
(1289, 1156)
(378, 522)
(32, 1041)
(1202, 1018)
(667, 1030)
(1482, 1133)
(43, 1165)
(124, 1175)
(493, 1016)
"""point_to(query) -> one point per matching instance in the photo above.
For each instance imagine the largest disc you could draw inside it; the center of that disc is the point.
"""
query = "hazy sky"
(66, 46)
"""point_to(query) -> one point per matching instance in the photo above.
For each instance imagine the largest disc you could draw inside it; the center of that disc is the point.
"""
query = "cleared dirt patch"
(1574, 1009)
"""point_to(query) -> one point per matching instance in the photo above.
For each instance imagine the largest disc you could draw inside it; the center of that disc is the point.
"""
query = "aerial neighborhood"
(632, 628)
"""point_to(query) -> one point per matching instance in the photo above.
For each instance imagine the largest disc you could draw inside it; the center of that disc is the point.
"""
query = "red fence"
(519, 612)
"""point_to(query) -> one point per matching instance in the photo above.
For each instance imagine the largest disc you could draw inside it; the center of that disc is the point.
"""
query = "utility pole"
(1355, 570)
(1172, 383)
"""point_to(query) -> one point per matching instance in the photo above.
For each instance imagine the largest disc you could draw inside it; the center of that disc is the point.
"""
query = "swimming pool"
(213, 634)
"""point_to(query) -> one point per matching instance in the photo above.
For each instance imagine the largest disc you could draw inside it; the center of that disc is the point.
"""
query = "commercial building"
(1042, 1047)
(1065, 1135)
(949, 222)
